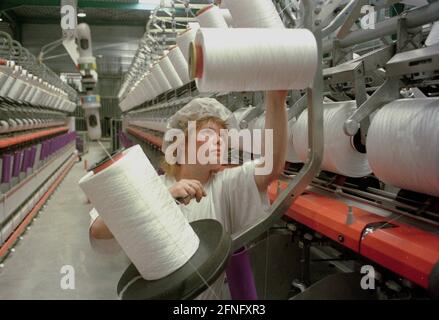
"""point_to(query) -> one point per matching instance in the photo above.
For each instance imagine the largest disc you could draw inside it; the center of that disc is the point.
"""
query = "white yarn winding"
(339, 156)
(147, 88)
(140, 212)
(291, 156)
(403, 145)
(254, 14)
(184, 40)
(255, 59)
(159, 76)
(211, 17)
(433, 36)
(180, 64)
(170, 73)
(155, 85)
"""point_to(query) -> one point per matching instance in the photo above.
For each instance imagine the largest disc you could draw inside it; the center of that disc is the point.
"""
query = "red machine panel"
(403, 249)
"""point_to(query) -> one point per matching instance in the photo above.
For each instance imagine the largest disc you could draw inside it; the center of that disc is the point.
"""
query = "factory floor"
(58, 238)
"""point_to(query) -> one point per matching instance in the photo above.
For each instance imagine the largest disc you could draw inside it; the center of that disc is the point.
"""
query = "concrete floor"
(59, 237)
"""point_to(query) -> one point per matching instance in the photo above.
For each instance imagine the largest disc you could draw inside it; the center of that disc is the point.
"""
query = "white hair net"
(197, 109)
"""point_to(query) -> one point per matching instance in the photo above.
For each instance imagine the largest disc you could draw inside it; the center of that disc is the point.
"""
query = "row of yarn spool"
(18, 84)
(222, 59)
(16, 167)
(401, 145)
(157, 124)
(17, 124)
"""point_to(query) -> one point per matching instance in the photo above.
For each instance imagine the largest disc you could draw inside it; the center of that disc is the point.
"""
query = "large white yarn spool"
(170, 72)
(253, 59)
(211, 17)
(159, 76)
(254, 14)
(403, 145)
(179, 63)
(144, 218)
(339, 155)
(184, 40)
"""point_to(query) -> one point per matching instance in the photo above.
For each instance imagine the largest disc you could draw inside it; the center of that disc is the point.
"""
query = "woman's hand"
(99, 230)
(185, 190)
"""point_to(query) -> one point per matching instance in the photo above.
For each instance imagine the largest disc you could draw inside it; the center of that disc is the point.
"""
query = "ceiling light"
(82, 14)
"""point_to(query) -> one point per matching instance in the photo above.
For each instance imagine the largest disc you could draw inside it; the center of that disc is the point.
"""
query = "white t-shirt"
(232, 198)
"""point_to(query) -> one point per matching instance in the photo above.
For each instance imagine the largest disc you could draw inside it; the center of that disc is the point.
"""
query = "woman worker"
(237, 196)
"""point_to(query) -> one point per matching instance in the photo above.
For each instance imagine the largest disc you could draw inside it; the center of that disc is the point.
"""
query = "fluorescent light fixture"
(82, 14)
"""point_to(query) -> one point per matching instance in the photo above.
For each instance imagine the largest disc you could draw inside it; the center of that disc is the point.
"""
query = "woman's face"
(210, 146)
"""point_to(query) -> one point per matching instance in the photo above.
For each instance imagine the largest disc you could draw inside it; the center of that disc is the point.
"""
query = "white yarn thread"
(402, 145)
(254, 14)
(159, 76)
(180, 64)
(170, 73)
(227, 17)
(140, 212)
(212, 17)
(256, 59)
(339, 155)
(433, 36)
(184, 40)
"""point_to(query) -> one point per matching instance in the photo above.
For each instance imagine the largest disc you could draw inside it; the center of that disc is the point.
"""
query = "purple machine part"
(6, 168)
(17, 161)
(240, 277)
